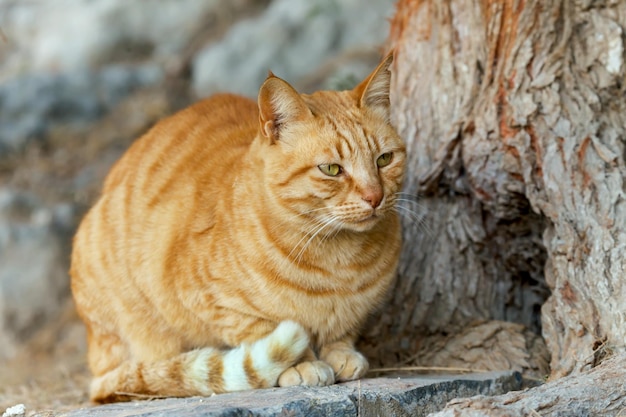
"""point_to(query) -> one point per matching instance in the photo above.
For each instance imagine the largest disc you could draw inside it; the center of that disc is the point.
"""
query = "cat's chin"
(362, 225)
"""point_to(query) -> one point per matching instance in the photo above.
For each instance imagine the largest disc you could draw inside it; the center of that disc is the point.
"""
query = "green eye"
(384, 159)
(331, 170)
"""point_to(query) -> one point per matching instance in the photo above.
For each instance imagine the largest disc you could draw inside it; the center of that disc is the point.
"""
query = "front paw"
(315, 373)
(348, 364)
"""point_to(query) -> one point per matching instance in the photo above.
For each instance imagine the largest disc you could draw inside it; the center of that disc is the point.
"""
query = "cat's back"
(168, 182)
(208, 135)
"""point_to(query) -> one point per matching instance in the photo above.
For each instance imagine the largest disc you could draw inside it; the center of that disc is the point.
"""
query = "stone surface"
(31, 105)
(293, 38)
(62, 37)
(407, 396)
(33, 276)
(599, 392)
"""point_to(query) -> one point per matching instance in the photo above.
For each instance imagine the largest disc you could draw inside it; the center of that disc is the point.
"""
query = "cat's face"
(335, 161)
(341, 173)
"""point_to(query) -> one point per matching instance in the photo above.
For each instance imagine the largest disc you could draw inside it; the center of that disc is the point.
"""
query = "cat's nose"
(373, 196)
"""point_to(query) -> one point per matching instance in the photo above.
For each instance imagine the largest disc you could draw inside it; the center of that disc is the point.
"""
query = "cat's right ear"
(279, 104)
(374, 90)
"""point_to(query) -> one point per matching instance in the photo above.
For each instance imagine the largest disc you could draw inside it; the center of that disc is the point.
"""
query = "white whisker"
(332, 232)
(407, 195)
(325, 223)
(416, 218)
(314, 210)
(409, 198)
(415, 203)
(314, 229)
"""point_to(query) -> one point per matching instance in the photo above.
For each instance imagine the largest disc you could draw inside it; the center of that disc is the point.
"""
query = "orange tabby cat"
(240, 246)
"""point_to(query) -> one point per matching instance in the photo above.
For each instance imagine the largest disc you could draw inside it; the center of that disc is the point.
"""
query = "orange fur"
(218, 225)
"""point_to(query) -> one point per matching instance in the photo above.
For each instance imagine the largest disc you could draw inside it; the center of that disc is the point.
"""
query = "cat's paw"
(348, 364)
(288, 342)
(279, 350)
(315, 373)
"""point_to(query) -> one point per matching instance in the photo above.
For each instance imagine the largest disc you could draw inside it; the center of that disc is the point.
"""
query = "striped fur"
(207, 370)
(218, 231)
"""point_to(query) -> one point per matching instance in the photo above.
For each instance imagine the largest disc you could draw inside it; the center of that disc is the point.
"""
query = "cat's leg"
(347, 363)
(310, 371)
(208, 370)
(105, 350)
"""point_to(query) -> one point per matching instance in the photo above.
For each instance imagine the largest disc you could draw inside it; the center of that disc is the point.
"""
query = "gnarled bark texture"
(514, 113)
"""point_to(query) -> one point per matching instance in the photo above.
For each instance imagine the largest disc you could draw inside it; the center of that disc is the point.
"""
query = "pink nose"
(373, 196)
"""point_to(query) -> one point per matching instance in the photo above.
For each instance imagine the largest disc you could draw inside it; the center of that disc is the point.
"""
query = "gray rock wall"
(33, 274)
(64, 36)
(293, 38)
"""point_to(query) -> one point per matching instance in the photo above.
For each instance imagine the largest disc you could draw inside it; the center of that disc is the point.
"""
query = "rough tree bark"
(514, 114)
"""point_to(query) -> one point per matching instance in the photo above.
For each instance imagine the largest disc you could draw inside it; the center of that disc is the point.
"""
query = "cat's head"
(332, 158)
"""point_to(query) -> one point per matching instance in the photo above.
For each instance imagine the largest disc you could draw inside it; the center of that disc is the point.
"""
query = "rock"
(30, 105)
(293, 38)
(34, 239)
(597, 392)
(18, 410)
(410, 396)
(52, 37)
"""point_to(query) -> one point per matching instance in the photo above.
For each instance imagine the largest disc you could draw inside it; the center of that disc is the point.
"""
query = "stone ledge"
(399, 396)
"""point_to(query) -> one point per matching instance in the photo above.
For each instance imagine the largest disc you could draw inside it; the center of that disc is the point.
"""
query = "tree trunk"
(514, 114)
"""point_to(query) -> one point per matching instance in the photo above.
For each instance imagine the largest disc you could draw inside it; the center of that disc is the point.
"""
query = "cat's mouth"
(369, 218)
(363, 219)
(364, 223)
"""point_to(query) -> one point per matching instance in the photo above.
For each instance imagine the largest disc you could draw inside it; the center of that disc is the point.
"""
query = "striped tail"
(206, 371)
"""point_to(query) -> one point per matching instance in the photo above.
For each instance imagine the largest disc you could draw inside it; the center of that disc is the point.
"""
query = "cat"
(240, 245)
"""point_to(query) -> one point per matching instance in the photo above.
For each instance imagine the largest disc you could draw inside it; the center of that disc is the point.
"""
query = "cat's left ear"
(279, 104)
(373, 92)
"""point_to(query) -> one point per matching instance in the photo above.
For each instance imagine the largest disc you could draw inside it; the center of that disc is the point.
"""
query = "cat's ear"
(279, 103)
(373, 92)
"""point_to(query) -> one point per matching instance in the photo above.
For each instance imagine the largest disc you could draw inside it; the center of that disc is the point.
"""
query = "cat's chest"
(328, 322)
(329, 288)
(335, 311)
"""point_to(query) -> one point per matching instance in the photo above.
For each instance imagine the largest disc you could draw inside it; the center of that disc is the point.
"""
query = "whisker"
(408, 212)
(410, 201)
(315, 227)
(403, 194)
(412, 205)
(332, 232)
(419, 220)
(314, 210)
(327, 235)
(326, 223)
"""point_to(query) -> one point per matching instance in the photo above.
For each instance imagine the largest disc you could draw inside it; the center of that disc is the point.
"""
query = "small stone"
(15, 411)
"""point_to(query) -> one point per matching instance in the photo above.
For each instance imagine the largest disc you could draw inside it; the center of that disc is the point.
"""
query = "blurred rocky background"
(79, 81)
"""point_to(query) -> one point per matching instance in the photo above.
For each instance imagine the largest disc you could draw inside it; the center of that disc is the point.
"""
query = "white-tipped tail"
(208, 370)
(259, 364)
